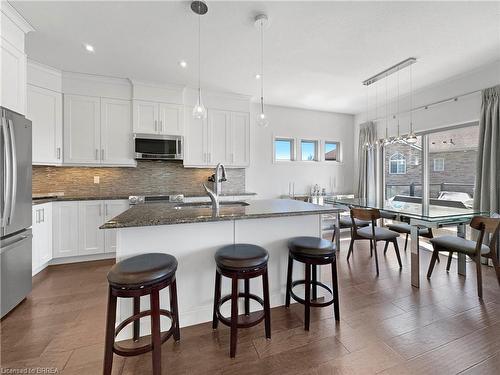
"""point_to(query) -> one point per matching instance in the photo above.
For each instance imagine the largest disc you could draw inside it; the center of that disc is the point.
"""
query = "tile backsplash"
(149, 177)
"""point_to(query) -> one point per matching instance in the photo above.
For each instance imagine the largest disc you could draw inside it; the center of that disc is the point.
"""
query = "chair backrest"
(368, 214)
(486, 225)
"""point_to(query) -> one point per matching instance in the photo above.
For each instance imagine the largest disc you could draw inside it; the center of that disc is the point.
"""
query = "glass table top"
(412, 210)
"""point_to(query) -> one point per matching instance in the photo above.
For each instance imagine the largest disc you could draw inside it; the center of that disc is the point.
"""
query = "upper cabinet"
(158, 118)
(97, 131)
(44, 109)
(13, 58)
(224, 137)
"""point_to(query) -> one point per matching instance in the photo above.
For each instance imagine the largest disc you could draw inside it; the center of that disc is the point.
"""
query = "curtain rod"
(427, 106)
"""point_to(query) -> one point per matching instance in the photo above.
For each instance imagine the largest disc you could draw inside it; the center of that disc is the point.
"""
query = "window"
(439, 165)
(283, 149)
(308, 150)
(332, 151)
(397, 164)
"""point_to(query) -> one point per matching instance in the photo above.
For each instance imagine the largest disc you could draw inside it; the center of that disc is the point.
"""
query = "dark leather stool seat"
(142, 270)
(313, 252)
(241, 262)
(141, 275)
(311, 246)
(241, 257)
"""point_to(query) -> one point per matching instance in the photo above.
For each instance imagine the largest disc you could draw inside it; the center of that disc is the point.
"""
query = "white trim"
(16, 17)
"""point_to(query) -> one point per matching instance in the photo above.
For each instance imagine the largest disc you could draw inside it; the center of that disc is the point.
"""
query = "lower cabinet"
(76, 227)
(42, 236)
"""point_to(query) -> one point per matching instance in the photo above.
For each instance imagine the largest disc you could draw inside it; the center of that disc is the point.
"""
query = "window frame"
(316, 149)
(293, 149)
(397, 153)
(434, 165)
(339, 155)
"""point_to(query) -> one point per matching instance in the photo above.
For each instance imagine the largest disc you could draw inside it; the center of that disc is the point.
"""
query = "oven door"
(157, 147)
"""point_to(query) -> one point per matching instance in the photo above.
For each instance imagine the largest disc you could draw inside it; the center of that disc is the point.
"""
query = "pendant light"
(411, 138)
(199, 8)
(398, 139)
(261, 21)
(386, 141)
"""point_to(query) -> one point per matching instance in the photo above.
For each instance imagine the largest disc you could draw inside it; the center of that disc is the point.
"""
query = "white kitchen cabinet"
(90, 218)
(42, 236)
(82, 144)
(195, 142)
(223, 138)
(65, 229)
(112, 208)
(158, 118)
(116, 132)
(240, 139)
(44, 109)
(13, 70)
(219, 130)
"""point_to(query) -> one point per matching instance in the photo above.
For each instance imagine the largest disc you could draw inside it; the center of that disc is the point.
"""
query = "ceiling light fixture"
(200, 8)
(183, 64)
(257, 76)
(89, 48)
(261, 21)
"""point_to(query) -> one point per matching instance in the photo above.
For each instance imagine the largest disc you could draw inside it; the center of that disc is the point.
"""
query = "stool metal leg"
(315, 279)
(307, 298)
(335, 289)
(155, 331)
(267, 308)
(110, 334)
(234, 316)
(289, 281)
(215, 319)
(247, 299)
(137, 310)
(174, 308)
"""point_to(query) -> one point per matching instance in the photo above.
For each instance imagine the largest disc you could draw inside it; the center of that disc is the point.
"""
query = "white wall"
(270, 179)
(464, 110)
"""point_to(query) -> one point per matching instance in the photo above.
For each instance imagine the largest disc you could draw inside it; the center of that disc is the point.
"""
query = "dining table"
(418, 216)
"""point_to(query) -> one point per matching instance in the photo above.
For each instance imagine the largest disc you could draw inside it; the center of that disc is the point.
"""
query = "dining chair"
(473, 249)
(371, 232)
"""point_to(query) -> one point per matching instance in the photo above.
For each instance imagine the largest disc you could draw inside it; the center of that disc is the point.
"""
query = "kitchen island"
(192, 232)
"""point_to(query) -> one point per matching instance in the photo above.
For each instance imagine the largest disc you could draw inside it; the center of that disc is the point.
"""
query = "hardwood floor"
(386, 327)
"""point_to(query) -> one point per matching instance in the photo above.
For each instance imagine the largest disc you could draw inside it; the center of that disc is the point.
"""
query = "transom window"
(332, 151)
(308, 150)
(283, 149)
(397, 164)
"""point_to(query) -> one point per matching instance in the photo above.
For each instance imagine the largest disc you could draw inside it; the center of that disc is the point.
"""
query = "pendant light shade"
(261, 21)
(199, 110)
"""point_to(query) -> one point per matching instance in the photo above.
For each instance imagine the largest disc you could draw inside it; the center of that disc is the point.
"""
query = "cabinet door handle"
(161, 126)
(105, 209)
(102, 154)
(42, 212)
(37, 216)
(156, 125)
(96, 154)
(100, 209)
(58, 152)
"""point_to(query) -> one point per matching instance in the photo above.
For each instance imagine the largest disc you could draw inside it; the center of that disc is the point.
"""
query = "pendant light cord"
(411, 102)
(399, 115)
(199, 52)
(386, 112)
(262, 66)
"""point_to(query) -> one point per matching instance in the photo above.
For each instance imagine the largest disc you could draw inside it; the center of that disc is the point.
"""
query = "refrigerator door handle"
(14, 171)
(8, 172)
(10, 245)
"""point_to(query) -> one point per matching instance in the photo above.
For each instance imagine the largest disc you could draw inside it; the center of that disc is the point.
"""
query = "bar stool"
(312, 251)
(134, 277)
(241, 261)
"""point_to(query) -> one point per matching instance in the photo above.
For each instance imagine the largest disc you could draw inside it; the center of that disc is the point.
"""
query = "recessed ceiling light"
(89, 48)
(257, 76)
(183, 64)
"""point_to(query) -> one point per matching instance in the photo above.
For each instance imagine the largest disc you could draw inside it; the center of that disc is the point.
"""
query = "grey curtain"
(487, 189)
(366, 159)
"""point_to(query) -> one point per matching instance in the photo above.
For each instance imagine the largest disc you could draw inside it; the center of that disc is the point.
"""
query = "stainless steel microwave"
(158, 147)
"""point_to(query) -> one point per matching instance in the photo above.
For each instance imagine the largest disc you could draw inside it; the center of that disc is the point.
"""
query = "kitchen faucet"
(217, 178)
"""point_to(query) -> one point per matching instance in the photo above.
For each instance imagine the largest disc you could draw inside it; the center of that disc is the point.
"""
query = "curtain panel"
(487, 188)
(366, 160)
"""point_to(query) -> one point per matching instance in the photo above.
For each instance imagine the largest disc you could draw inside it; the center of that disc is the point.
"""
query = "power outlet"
(96, 180)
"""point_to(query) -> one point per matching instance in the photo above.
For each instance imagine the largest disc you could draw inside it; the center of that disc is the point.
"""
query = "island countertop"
(151, 214)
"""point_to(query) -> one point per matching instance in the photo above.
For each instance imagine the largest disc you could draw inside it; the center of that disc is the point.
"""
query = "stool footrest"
(127, 352)
(244, 321)
(314, 304)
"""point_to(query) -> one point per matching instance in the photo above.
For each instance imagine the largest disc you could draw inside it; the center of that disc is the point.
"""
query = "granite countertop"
(166, 213)
(54, 197)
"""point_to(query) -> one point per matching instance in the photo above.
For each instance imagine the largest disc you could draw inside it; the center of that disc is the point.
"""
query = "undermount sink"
(209, 205)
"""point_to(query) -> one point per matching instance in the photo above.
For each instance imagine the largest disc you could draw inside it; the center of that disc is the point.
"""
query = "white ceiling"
(316, 53)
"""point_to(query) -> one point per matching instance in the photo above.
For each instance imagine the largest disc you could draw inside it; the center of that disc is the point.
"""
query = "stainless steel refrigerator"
(15, 209)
